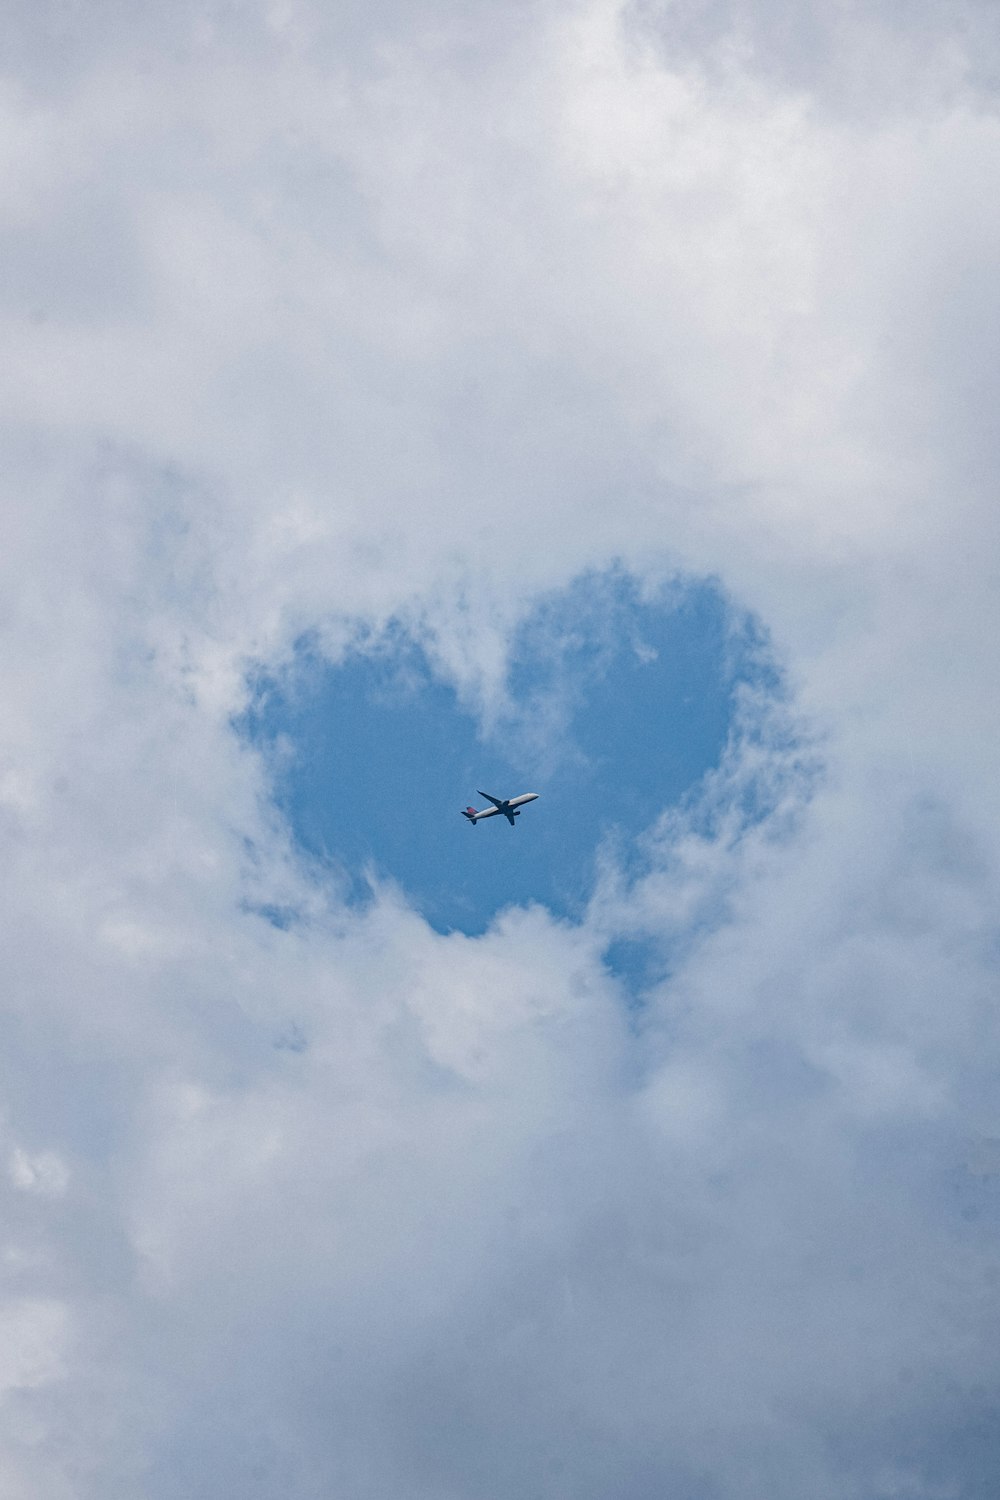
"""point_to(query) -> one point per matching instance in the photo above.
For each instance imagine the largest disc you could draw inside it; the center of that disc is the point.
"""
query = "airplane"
(509, 806)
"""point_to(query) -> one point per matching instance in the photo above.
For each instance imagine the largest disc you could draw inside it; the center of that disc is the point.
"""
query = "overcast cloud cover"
(318, 318)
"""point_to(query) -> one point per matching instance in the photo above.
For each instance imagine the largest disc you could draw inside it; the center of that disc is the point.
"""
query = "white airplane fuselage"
(508, 807)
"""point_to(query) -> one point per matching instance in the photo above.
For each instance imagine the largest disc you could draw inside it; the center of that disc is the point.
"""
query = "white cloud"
(34, 1331)
(42, 1172)
(317, 320)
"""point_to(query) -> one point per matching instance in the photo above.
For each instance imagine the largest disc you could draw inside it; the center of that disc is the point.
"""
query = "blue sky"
(618, 705)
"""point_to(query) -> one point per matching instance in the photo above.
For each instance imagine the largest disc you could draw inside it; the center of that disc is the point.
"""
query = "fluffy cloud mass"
(319, 319)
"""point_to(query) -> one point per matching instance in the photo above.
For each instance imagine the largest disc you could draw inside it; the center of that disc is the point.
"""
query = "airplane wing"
(510, 818)
(497, 802)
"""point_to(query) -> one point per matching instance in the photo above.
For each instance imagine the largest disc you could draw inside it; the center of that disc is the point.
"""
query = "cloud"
(318, 321)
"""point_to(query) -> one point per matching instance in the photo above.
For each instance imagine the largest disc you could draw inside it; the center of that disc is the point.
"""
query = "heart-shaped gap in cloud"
(618, 703)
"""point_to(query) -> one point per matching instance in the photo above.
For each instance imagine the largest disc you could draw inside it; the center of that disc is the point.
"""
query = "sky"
(615, 708)
(592, 397)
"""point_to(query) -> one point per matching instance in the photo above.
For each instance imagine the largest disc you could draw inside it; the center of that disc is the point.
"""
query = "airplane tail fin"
(470, 813)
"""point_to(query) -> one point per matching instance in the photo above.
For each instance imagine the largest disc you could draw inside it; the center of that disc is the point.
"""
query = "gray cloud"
(313, 321)
(865, 62)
